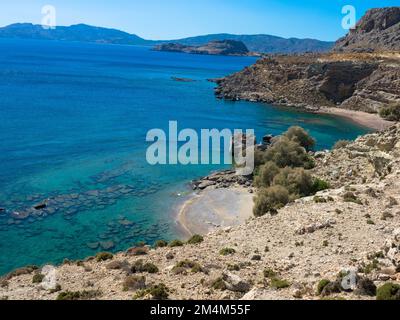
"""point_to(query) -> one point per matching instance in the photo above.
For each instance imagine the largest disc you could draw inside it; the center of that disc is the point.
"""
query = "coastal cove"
(74, 118)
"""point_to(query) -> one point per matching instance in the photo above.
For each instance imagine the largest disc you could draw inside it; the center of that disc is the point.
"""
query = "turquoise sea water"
(73, 121)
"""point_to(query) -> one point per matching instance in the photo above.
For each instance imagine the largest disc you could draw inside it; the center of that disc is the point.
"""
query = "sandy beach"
(373, 121)
(214, 208)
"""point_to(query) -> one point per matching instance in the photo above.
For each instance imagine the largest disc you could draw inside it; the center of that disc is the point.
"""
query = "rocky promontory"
(361, 74)
(378, 30)
(224, 47)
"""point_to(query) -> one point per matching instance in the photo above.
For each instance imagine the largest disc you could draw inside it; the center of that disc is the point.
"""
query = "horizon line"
(175, 39)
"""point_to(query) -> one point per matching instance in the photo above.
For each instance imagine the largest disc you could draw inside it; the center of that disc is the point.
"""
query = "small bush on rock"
(297, 181)
(134, 283)
(78, 295)
(196, 239)
(227, 251)
(266, 175)
(288, 153)
(161, 244)
(321, 285)
(271, 199)
(176, 243)
(104, 256)
(302, 137)
(37, 278)
(391, 112)
(277, 283)
(389, 291)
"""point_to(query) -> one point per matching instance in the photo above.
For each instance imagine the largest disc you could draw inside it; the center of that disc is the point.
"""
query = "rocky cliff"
(353, 77)
(352, 229)
(364, 82)
(378, 30)
(224, 47)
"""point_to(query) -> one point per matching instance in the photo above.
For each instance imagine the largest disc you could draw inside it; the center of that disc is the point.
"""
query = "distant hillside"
(224, 47)
(85, 33)
(263, 43)
(378, 30)
(79, 32)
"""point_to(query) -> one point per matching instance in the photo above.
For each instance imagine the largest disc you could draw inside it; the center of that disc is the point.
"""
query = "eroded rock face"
(378, 30)
(312, 81)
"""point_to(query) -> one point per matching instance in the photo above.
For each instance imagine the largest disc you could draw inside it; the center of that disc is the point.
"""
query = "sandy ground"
(373, 121)
(214, 208)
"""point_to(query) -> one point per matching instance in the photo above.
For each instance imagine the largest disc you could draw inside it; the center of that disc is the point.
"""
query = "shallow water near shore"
(73, 123)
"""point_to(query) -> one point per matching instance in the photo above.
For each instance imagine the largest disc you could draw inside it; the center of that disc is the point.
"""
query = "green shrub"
(269, 273)
(134, 283)
(227, 251)
(288, 153)
(320, 185)
(196, 239)
(37, 278)
(318, 199)
(321, 285)
(139, 267)
(233, 267)
(161, 244)
(157, 292)
(218, 284)
(259, 158)
(182, 266)
(176, 243)
(266, 175)
(302, 137)
(389, 291)
(297, 181)
(351, 197)
(78, 295)
(270, 199)
(341, 144)
(277, 283)
(391, 112)
(104, 256)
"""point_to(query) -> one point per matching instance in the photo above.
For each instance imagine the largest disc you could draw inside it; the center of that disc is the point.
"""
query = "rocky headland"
(223, 47)
(378, 30)
(361, 74)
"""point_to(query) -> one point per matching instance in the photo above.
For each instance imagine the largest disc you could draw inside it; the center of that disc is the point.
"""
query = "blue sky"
(171, 19)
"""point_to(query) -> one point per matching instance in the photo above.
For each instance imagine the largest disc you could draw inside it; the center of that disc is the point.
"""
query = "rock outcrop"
(378, 30)
(224, 47)
(364, 82)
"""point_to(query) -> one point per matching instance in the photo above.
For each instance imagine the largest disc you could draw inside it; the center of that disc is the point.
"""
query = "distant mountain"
(85, 33)
(79, 32)
(223, 47)
(263, 43)
(378, 30)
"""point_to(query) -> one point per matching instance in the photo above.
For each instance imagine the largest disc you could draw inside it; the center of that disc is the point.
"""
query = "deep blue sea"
(73, 121)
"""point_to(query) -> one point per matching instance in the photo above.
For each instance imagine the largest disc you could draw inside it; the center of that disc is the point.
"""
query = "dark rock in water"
(2, 210)
(93, 245)
(182, 79)
(40, 206)
(107, 245)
